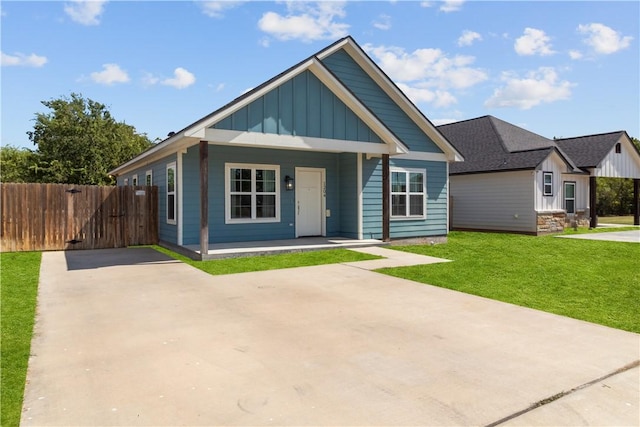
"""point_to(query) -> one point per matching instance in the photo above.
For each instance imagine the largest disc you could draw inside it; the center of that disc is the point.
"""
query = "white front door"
(309, 202)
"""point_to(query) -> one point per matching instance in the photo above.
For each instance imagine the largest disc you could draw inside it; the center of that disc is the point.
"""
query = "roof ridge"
(464, 121)
(591, 135)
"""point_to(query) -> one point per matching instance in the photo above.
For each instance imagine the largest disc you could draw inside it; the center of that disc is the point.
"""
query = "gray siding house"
(330, 147)
(517, 181)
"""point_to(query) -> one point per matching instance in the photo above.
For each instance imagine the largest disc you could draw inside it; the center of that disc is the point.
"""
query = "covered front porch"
(271, 247)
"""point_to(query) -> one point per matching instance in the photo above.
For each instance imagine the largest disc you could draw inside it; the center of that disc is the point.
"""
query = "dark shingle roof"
(588, 151)
(489, 144)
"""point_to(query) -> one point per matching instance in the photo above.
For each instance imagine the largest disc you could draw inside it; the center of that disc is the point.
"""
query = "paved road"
(130, 337)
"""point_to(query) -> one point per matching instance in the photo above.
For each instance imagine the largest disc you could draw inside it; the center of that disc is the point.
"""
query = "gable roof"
(193, 133)
(589, 150)
(489, 144)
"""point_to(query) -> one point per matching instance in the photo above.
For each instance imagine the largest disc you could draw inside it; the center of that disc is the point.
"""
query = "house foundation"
(551, 222)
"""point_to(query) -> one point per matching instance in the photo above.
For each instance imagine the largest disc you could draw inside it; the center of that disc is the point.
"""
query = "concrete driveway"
(130, 337)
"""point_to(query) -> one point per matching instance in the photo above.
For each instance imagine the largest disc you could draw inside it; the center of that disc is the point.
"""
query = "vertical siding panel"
(300, 103)
(339, 119)
(285, 116)
(313, 106)
(241, 119)
(271, 112)
(256, 115)
(326, 112)
(351, 125)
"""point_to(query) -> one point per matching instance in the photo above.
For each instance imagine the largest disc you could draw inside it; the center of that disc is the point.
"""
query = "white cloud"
(426, 4)
(181, 79)
(306, 21)
(468, 37)
(383, 22)
(533, 42)
(149, 79)
(540, 86)
(604, 40)
(85, 12)
(20, 59)
(443, 121)
(575, 54)
(216, 9)
(111, 73)
(451, 6)
(427, 75)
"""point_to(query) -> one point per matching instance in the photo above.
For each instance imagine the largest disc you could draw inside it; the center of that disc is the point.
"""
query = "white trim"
(360, 195)
(408, 193)
(448, 198)
(290, 142)
(134, 180)
(323, 199)
(169, 166)
(544, 184)
(565, 198)
(179, 234)
(424, 156)
(227, 193)
(147, 174)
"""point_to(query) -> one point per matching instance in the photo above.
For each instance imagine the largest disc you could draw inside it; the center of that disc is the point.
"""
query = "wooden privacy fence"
(37, 217)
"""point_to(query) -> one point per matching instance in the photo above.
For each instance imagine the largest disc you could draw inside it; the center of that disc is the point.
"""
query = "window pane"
(547, 178)
(240, 206)
(398, 182)
(569, 191)
(398, 205)
(416, 205)
(148, 180)
(171, 207)
(265, 206)
(265, 180)
(416, 182)
(241, 180)
(571, 206)
(171, 176)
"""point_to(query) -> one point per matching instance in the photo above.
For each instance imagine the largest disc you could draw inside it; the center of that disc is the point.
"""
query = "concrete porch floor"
(270, 247)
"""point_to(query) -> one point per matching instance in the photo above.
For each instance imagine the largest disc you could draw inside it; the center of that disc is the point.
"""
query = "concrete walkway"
(631, 236)
(130, 337)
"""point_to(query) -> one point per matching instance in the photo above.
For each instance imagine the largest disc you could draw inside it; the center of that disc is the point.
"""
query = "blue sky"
(556, 68)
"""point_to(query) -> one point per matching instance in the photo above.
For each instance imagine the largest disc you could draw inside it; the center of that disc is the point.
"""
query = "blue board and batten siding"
(302, 106)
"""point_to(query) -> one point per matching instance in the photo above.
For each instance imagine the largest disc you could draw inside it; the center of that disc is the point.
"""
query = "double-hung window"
(252, 193)
(408, 193)
(547, 183)
(171, 193)
(134, 180)
(570, 197)
(148, 178)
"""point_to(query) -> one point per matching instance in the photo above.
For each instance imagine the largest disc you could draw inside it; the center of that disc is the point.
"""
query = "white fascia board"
(197, 129)
(424, 156)
(290, 142)
(338, 89)
(398, 97)
(169, 146)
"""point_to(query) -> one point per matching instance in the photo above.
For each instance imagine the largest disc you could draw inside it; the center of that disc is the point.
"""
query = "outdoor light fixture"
(288, 183)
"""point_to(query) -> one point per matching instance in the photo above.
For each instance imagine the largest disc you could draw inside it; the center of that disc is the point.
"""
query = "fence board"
(52, 217)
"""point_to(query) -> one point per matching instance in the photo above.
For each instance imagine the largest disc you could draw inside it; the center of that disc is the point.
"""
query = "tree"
(17, 164)
(79, 142)
(615, 195)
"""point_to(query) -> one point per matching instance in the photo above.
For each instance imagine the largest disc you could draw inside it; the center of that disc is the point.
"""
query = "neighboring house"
(516, 180)
(330, 147)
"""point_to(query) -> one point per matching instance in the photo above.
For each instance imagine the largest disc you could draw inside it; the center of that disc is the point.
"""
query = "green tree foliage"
(79, 141)
(615, 195)
(17, 164)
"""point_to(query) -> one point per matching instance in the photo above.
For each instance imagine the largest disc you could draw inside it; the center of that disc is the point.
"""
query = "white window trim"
(173, 221)
(408, 193)
(126, 181)
(570, 198)
(134, 180)
(148, 173)
(544, 184)
(227, 193)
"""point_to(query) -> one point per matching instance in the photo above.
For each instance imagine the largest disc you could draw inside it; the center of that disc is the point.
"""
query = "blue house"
(330, 147)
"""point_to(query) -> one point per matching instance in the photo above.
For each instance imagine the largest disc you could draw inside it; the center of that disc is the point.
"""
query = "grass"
(19, 275)
(624, 220)
(596, 281)
(271, 262)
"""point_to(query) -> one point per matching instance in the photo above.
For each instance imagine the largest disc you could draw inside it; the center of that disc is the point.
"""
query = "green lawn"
(590, 280)
(624, 220)
(19, 274)
(271, 262)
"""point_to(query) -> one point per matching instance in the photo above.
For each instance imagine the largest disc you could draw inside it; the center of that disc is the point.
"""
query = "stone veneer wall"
(551, 222)
(580, 219)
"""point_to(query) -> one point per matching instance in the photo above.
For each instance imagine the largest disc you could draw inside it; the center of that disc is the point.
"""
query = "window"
(148, 178)
(547, 181)
(570, 197)
(408, 190)
(618, 148)
(171, 193)
(252, 193)
(126, 181)
(134, 180)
